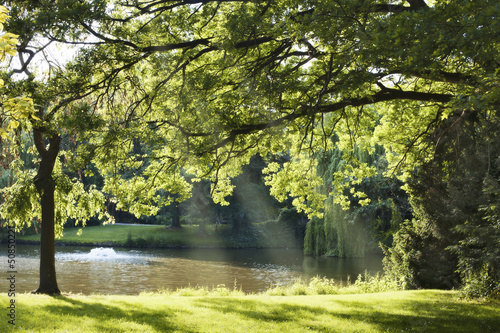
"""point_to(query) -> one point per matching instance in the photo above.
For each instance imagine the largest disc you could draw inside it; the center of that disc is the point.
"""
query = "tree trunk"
(48, 281)
(176, 216)
(45, 186)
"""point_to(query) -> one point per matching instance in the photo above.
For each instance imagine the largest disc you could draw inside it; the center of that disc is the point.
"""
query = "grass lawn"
(132, 235)
(157, 236)
(417, 311)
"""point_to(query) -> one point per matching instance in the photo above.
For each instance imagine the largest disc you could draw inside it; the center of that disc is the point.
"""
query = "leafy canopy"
(178, 88)
(17, 109)
(203, 86)
(28, 126)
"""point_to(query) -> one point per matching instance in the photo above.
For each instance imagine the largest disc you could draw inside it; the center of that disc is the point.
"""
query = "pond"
(123, 271)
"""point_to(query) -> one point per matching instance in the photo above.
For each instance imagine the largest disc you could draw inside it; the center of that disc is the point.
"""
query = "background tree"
(455, 239)
(358, 230)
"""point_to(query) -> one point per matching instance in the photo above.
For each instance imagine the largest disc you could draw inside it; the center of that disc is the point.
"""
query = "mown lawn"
(132, 235)
(106, 233)
(157, 236)
(416, 311)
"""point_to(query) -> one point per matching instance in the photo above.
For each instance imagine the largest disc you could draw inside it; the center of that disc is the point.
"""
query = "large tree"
(208, 84)
(455, 239)
(33, 127)
(205, 85)
(211, 83)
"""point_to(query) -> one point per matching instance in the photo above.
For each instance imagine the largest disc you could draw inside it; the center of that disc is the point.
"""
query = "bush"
(481, 284)
(322, 286)
(219, 290)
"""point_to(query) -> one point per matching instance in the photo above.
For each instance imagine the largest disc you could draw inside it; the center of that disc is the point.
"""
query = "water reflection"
(121, 271)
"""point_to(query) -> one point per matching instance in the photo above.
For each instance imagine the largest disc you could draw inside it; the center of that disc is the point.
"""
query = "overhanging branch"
(384, 95)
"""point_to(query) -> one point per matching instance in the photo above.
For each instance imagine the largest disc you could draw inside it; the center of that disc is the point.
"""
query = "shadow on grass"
(260, 310)
(103, 316)
(422, 316)
(418, 315)
(426, 311)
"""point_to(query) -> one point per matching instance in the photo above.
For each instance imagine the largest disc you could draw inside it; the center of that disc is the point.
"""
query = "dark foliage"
(455, 240)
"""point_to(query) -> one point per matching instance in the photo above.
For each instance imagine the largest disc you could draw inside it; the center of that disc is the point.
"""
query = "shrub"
(322, 286)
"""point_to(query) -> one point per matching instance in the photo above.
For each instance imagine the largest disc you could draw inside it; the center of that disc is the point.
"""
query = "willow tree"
(205, 85)
(356, 230)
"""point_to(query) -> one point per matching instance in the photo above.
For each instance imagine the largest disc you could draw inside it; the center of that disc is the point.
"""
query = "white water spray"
(101, 252)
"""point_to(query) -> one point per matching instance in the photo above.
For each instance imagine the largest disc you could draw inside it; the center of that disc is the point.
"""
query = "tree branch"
(451, 77)
(417, 4)
(175, 46)
(384, 95)
(106, 39)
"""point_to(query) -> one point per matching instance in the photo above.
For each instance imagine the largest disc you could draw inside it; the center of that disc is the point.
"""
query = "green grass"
(132, 235)
(143, 236)
(418, 311)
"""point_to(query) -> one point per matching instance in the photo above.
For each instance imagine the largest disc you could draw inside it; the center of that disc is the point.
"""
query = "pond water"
(122, 271)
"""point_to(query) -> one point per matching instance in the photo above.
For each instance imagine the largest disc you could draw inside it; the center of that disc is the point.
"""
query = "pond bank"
(116, 271)
(148, 236)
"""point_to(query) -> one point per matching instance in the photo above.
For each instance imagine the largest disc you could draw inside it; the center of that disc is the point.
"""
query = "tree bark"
(45, 185)
(48, 281)
(176, 216)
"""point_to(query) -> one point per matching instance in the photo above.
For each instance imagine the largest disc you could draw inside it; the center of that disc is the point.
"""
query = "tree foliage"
(181, 87)
(455, 196)
(15, 110)
(232, 79)
(369, 212)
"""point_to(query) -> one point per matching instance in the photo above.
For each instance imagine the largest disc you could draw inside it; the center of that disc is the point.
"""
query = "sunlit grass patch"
(115, 234)
(138, 236)
(400, 311)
